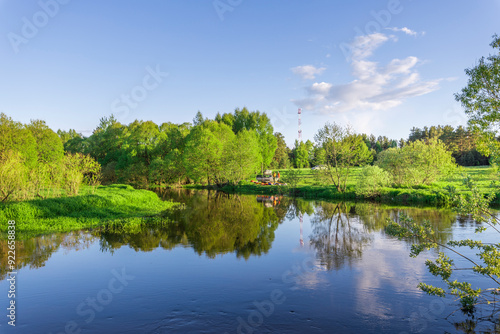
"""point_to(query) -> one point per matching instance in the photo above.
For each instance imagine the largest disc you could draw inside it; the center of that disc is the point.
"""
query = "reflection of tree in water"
(211, 222)
(374, 218)
(220, 223)
(336, 238)
(36, 251)
(215, 223)
(297, 206)
(475, 325)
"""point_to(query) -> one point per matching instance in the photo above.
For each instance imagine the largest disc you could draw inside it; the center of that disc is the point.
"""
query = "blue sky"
(381, 66)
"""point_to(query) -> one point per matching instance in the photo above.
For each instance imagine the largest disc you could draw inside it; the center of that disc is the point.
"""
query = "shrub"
(371, 180)
(419, 163)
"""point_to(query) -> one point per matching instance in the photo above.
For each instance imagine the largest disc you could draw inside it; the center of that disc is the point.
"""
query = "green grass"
(114, 204)
(434, 194)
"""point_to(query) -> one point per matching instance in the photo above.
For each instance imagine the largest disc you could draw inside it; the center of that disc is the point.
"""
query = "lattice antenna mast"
(300, 123)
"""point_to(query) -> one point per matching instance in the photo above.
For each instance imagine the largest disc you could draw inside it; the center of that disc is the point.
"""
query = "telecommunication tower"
(300, 123)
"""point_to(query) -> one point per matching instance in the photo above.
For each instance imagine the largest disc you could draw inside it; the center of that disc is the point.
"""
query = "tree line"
(37, 162)
(221, 151)
(461, 142)
(33, 163)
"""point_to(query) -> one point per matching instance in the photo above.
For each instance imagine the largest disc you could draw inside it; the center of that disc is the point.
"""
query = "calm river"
(236, 264)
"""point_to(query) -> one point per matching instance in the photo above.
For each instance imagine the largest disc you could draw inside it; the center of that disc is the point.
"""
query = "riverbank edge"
(115, 204)
(397, 196)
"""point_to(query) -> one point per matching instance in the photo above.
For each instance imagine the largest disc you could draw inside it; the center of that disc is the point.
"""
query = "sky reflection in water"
(233, 263)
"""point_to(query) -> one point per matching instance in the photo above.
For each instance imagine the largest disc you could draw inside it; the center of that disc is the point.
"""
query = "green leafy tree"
(198, 119)
(200, 153)
(16, 137)
(292, 178)
(255, 120)
(310, 152)
(280, 159)
(417, 163)
(107, 142)
(205, 147)
(73, 142)
(485, 263)
(142, 140)
(343, 150)
(169, 151)
(242, 156)
(461, 142)
(300, 155)
(371, 180)
(319, 156)
(481, 99)
(13, 174)
(49, 147)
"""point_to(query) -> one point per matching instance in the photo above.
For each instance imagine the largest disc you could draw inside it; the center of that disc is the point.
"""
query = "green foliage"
(254, 120)
(378, 144)
(204, 152)
(241, 159)
(418, 163)
(16, 137)
(343, 150)
(13, 174)
(107, 204)
(292, 178)
(487, 260)
(481, 99)
(371, 180)
(144, 154)
(48, 144)
(301, 155)
(73, 142)
(319, 156)
(280, 159)
(33, 164)
(461, 142)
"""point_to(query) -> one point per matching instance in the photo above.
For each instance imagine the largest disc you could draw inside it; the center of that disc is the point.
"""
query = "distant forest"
(226, 150)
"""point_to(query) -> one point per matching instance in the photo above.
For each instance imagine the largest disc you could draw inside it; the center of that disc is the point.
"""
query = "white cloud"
(406, 31)
(363, 46)
(308, 72)
(375, 86)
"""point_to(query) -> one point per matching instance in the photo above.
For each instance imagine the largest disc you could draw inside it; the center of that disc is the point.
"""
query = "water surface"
(235, 264)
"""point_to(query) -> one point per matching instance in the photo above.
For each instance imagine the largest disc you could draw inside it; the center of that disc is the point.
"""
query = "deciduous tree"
(343, 150)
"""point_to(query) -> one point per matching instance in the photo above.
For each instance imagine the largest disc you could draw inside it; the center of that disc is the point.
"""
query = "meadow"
(437, 193)
(93, 208)
(122, 205)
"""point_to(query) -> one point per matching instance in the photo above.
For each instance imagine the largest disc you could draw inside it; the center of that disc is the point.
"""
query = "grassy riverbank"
(309, 186)
(114, 204)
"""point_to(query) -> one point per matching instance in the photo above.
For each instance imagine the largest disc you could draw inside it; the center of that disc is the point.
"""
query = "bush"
(12, 174)
(419, 163)
(371, 180)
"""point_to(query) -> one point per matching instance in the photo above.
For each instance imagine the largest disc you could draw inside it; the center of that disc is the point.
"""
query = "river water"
(238, 264)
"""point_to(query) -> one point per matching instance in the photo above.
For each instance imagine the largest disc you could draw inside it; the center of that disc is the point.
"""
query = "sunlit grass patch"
(107, 204)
